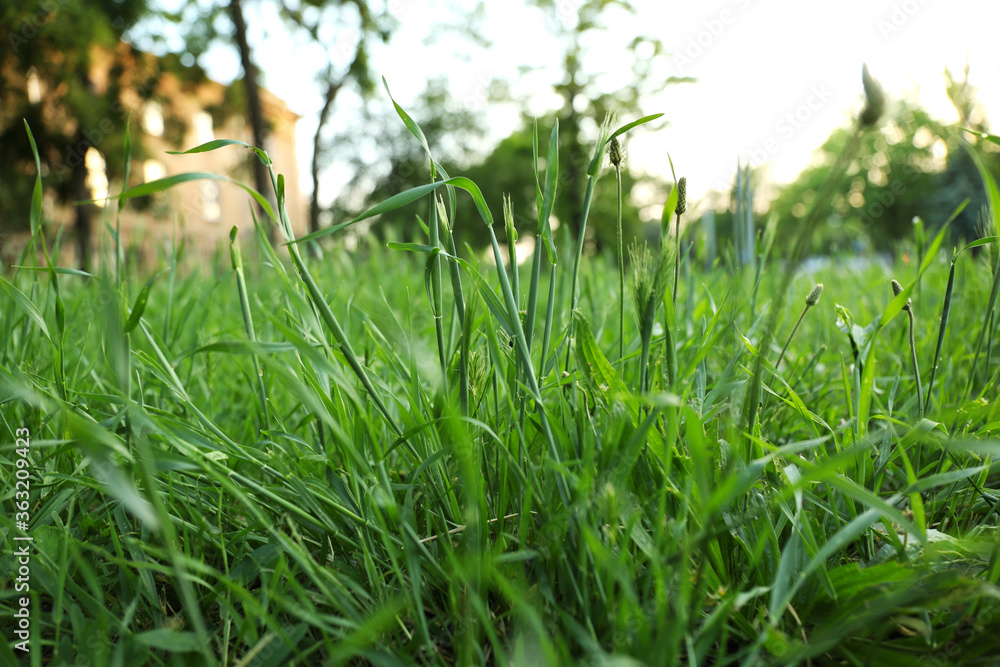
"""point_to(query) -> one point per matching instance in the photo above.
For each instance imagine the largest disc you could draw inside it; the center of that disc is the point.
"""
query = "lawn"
(411, 454)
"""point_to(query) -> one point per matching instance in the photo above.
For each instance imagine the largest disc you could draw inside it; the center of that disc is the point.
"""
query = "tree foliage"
(449, 131)
(345, 29)
(586, 101)
(52, 45)
(912, 166)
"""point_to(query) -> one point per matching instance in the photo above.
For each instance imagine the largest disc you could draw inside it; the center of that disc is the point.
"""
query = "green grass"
(377, 458)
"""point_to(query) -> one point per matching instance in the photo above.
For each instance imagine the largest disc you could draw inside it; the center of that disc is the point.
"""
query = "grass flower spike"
(617, 155)
(649, 283)
(681, 208)
(874, 99)
(814, 294)
(811, 300)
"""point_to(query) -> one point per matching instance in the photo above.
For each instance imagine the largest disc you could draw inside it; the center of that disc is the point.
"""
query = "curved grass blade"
(139, 306)
(29, 308)
(219, 143)
(36, 194)
(595, 164)
(668, 212)
(238, 347)
(408, 197)
(411, 126)
(162, 184)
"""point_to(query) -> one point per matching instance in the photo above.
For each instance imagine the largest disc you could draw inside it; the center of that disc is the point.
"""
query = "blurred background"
(766, 89)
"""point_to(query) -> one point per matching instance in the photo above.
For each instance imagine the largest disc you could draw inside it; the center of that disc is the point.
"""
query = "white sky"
(775, 77)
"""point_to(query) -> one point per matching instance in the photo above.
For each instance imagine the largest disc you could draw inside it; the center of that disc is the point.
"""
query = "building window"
(97, 176)
(152, 119)
(211, 210)
(203, 129)
(34, 87)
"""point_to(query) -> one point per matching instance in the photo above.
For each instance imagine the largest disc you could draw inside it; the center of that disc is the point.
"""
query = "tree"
(960, 178)
(449, 133)
(901, 172)
(202, 27)
(507, 168)
(580, 88)
(337, 76)
(46, 78)
(254, 111)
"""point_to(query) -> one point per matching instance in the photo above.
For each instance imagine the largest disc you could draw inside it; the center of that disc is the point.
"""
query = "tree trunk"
(262, 181)
(331, 94)
(80, 193)
(569, 126)
(578, 159)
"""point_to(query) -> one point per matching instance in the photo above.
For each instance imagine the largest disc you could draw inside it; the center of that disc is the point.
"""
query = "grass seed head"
(479, 374)
(602, 139)
(442, 213)
(661, 272)
(616, 154)
(896, 290)
(508, 219)
(874, 99)
(643, 275)
(682, 200)
(814, 294)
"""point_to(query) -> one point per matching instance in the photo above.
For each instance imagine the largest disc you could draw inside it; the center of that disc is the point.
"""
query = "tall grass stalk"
(119, 251)
(326, 313)
(992, 258)
(38, 232)
(942, 328)
(547, 332)
(897, 289)
(946, 307)
(460, 309)
(125, 377)
(544, 200)
(522, 347)
(648, 289)
(767, 243)
(604, 135)
(681, 209)
(987, 326)
(669, 349)
(743, 222)
(874, 106)
(616, 155)
(993, 196)
(241, 287)
(602, 139)
(437, 290)
(811, 300)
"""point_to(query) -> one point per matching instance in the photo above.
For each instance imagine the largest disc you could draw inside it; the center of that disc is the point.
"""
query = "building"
(172, 108)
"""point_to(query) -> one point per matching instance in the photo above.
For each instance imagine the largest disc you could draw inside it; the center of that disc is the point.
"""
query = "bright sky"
(775, 77)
